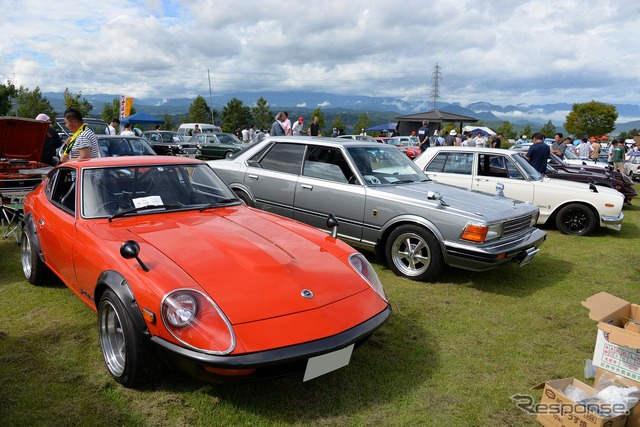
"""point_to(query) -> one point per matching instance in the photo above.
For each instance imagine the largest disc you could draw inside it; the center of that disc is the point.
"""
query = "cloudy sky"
(498, 51)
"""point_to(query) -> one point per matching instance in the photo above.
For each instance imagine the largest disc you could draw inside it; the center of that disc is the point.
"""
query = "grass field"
(452, 354)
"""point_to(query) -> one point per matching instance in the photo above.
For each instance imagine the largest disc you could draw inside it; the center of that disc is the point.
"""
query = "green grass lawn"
(452, 354)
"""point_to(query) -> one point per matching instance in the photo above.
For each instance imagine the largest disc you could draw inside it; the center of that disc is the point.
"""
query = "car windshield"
(568, 154)
(139, 189)
(226, 138)
(533, 174)
(385, 165)
(114, 147)
(172, 137)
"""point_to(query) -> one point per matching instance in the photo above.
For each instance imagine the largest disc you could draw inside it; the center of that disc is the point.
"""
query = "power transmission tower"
(436, 76)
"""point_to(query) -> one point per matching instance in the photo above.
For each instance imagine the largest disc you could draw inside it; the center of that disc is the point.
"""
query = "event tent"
(387, 127)
(142, 119)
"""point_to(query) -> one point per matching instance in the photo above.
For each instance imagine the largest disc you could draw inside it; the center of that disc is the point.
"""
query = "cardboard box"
(617, 348)
(557, 410)
(633, 417)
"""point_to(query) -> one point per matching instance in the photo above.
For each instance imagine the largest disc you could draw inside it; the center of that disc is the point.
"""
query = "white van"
(186, 129)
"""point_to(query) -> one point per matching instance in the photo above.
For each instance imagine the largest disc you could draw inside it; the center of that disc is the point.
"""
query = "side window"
(512, 169)
(437, 164)
(489, 165)
(326, 163)
(62, 191)
(284, 157)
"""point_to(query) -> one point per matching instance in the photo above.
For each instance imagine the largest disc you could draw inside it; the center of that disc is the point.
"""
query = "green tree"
(74, 101)
(236, 115)
(591, 118)
(262, 115)
(199, 111)
(548, 130)
(321, 121)
(8, 92)
(31, 103)
(506, 129)
(168, 122)
(338, 124)
(527, 131)
(362, 123)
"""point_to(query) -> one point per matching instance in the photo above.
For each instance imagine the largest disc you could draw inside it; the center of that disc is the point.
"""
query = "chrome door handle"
(306, 186)
(254, 177)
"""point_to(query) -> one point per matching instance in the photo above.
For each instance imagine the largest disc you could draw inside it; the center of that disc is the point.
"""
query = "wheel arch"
(29, 226)
(394, 223)
(243, 189)
(114, 281)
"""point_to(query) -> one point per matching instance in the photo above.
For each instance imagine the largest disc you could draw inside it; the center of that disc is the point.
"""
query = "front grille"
(517, 225)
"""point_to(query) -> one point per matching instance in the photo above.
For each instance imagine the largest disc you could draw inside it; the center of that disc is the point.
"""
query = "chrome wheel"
(112, 339)
(414, 253)
(27, 256)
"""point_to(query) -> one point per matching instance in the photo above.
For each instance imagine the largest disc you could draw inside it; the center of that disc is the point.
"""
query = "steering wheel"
(119, 203)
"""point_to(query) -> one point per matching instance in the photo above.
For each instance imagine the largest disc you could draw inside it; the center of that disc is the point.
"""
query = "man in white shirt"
(113, 127)
(298, 126)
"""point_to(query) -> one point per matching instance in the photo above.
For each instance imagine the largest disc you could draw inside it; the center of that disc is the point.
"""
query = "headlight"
(480, 232)
(534, 219)
(197, 322)
(364, 269)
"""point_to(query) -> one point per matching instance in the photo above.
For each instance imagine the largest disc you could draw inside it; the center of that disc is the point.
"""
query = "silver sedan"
(383, 203)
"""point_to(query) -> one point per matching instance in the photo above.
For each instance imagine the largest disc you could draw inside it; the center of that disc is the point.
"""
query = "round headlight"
(180, 309)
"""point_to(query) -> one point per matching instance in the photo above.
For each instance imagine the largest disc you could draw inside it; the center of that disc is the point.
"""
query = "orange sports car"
(180, 271)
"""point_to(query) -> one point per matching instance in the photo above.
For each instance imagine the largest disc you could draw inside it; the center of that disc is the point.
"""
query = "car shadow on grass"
(397, 358)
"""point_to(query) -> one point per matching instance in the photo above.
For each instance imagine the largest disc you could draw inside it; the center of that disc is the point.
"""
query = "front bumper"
(612, 222)
(270, 363)
(481, 258)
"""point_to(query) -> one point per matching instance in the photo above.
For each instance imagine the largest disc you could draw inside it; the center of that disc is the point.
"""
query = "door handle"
(306, 186)
(482, 179)
(254, 177)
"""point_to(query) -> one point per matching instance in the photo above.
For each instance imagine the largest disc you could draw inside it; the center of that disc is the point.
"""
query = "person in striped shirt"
(83, 144)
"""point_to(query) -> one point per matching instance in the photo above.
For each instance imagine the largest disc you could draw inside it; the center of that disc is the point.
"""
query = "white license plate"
(531, 252)
(325, 363)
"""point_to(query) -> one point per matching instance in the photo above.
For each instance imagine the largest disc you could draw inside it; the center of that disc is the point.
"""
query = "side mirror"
(130, 249)
(332, 223)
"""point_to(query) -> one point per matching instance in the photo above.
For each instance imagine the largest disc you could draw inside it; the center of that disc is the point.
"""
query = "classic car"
(98, 126)
(21, 144)
(217, 145)
(167, 143)
(179, 270)
(632, 167)
(384, 204)
(118, 145)
(576, 208)
(358, 137)
(407, 144)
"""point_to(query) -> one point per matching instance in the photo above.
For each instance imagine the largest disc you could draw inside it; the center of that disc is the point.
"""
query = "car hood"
(22, 138)
(254, 265)
(462, 201)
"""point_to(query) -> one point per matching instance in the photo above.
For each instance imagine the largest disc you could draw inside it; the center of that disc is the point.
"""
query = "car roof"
(333, 142)
(127, 161)
(474, 149)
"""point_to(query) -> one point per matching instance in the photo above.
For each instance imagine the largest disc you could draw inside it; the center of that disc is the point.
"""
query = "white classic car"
(577, 208)
(632, 167)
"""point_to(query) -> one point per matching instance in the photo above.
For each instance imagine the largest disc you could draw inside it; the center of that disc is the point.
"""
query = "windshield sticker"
(141, 202)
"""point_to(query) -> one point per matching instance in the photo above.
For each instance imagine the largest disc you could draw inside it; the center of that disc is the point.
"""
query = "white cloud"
(500, 51)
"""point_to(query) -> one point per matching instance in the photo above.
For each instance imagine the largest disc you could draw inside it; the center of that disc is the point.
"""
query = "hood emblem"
(306, 293)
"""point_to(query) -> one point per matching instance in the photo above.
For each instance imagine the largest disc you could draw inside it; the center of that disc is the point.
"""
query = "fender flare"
(28, 225)
(113, 280)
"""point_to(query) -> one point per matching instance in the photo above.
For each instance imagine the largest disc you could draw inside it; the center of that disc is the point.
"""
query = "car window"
(284, 157)
(385, 165)
(452, 162)
(498, 166)
(61, 189)
(326, 163)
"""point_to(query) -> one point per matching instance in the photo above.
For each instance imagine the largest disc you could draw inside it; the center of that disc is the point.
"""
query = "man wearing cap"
(298, 126)
(451, 138)
(51, 142)
(423, 136)
(618, 155)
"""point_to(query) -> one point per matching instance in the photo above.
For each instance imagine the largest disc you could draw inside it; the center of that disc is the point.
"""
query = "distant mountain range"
(387, 107)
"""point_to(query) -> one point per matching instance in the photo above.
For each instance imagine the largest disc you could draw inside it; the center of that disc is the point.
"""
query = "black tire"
(125, 350)
(575, 220)
(228, 154)
(34, 270)
(413, 252)
(169, 153)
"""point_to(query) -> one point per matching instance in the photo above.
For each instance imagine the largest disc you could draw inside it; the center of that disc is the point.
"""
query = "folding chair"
(12, 212)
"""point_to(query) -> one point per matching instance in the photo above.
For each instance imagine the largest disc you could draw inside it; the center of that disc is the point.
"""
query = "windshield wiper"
(222, 202)
(142, 208)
